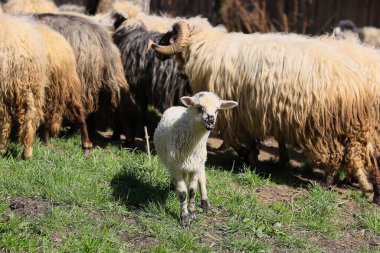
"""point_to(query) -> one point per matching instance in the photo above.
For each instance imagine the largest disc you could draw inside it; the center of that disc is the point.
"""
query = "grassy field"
(114, 201)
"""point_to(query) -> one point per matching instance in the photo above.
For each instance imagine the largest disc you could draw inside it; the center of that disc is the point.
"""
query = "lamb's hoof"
(205, 205)
(192, 215)
(185, 220)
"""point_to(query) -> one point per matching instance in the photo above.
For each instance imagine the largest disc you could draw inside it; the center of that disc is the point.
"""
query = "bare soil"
(30, 207)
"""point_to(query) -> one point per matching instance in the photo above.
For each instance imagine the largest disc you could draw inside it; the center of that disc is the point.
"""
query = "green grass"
(114, 201)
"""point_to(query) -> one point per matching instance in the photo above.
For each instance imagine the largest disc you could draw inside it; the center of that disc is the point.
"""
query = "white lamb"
(180, 140)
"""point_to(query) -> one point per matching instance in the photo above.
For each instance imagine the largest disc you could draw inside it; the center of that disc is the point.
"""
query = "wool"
(72, 8)
(63, 92)
(30, 6)
(295, 88)
(368, 59)
(152, 81)
(99, 65)
(23, 67)
(180, 141)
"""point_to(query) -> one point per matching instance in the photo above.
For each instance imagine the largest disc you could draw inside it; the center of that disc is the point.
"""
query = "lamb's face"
(205, 107)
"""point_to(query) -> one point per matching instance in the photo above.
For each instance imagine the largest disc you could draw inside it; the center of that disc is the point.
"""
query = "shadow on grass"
(294, 176)
(135, 192)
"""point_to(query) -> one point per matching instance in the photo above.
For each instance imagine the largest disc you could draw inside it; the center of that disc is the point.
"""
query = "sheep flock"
(61, 67)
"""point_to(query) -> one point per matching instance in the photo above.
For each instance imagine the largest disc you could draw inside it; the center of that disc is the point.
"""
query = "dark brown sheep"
(63, 92)
(99, 68)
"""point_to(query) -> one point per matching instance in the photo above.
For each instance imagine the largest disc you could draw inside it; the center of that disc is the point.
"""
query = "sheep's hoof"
(3, 151)
(376, 200)
(87, 152)
(185, 220)
(27, 154)
(285, 162)
(205, 205)
(326, 185)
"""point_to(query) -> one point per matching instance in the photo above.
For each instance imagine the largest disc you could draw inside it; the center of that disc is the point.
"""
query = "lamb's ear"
(227, 104)
(187, 101)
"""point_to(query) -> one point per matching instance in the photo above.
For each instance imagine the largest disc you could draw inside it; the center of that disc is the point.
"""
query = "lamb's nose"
(211, 118)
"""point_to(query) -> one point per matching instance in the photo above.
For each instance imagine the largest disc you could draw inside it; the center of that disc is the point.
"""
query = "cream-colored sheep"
(30, 6)
(295, 88)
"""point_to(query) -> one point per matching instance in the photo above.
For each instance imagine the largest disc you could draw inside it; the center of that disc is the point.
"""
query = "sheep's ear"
(118, 18)
(227, 104)
(187, 101)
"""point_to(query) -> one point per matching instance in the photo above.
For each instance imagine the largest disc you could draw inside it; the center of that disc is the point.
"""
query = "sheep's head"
(205, 107)
(345, 29)
(179, 39)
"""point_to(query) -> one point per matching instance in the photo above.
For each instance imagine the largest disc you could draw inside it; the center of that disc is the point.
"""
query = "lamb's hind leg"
(205, 204)
(193, 185)
(182, 195)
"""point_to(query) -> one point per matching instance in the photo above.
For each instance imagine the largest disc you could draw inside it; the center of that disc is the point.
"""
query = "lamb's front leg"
(193, 186)
(205, 204)
(182, 195)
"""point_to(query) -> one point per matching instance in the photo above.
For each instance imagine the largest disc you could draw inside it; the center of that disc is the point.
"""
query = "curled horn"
(180, 43)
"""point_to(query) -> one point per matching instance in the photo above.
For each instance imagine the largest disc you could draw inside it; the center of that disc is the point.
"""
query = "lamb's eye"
(200, 109)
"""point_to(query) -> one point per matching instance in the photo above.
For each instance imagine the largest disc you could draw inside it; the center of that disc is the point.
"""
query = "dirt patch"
(268, 194)
(350, 241)
(140, 242)
(30, 207)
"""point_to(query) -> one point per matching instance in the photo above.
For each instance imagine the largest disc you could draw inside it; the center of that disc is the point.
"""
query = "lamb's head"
(204, 107)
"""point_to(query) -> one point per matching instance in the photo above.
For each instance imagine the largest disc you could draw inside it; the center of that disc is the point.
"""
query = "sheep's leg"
(28, 120)
(193, 185)
(56, 124)
(182, 195)
(374, 172)
(45, 133)
(79, 115)
(6, 126)
(329, 177)
(357, 163)
(375, 179)
(205, 204)
(284, 158)
(44, 128)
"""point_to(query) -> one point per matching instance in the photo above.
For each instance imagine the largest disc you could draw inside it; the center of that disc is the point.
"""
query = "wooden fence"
(301, 16)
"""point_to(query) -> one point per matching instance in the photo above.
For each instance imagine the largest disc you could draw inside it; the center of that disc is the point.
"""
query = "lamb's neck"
(193, 134)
